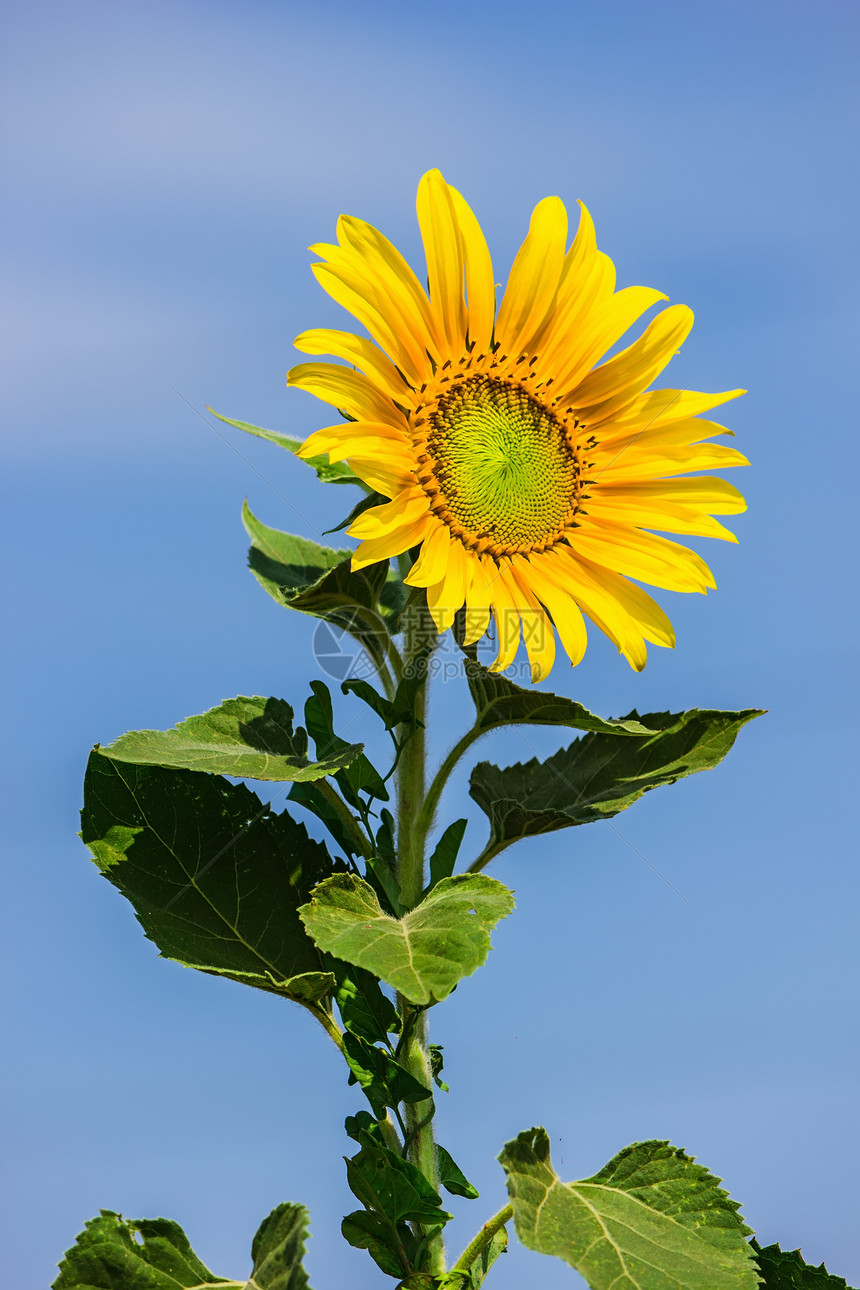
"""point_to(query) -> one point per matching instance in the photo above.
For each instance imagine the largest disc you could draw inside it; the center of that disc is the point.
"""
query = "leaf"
(452, 1177)
(277, 1251)
(401, 709)
(251, 738)
(365, 504)
(389, 1185)
(445, 854)
(652, 1219)
(470, 1278)
(392, 1246)
(383, 1080)
(599, 775)
(214, 875)
(114, 1253)
(424, 954)
(318, 580)
(498, 702)
(786, 1270)
(330, 473)
(365, 1011)
(315, 800)
(437, 1065)
(359, 775)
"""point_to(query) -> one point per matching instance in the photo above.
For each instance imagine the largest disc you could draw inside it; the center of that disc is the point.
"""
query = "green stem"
(415, 1056)
(363, 845)
(482, 1240)
(427, 813)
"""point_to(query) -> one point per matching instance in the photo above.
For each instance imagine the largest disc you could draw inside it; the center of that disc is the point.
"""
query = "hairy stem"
(420, 1145)
(440, 779)
(483, 1238)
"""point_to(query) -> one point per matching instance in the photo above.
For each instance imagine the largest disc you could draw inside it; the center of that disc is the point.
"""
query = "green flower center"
(504, 463)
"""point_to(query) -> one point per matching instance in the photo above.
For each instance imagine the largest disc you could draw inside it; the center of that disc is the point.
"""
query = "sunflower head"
(526, 474)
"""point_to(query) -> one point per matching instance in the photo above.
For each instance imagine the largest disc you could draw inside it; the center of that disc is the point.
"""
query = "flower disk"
(528, 476)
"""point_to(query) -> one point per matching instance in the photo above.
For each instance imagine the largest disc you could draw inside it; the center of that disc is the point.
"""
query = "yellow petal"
(666, 517)
(394, 543)
(587, 277)
(565, 612)
(534, 277)
(537, 629)
(349, 390)
(446, 597)
(599, 331)
(642, 608)
(717, 496)
(431, 565)
(349, 290)
(443, 248)
(680, 434)
(661, 408)
(478, 600)
(480, 280)
(385, 477)
(362, 353)
(653, 463)
(403, 299)
(597, 601)
(378, 521)
(618, 381)
(641, 555)
(506, 617)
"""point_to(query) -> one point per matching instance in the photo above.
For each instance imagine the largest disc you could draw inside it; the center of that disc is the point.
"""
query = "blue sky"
(169, 165)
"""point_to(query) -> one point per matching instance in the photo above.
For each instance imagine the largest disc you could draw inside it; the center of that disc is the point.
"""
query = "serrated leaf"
(114, 1253)
(452, 1177)
(498, 702)
(652, 1219)
(330, 473)
(786, 1270)
(277, 1251)
(444, 856)
(394, 1187)
(392, 1246)
(248, 737)
(383, 1080)
(318, 580)
(214, 875)
(599, 775)
(424, 954)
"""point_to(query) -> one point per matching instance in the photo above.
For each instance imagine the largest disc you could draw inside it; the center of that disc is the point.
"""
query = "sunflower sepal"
(337, 472)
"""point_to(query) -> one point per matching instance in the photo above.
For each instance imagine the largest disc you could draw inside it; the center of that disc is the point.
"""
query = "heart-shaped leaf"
(427, 951)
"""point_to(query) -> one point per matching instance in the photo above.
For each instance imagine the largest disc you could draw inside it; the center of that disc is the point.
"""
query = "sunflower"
(523, 475)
